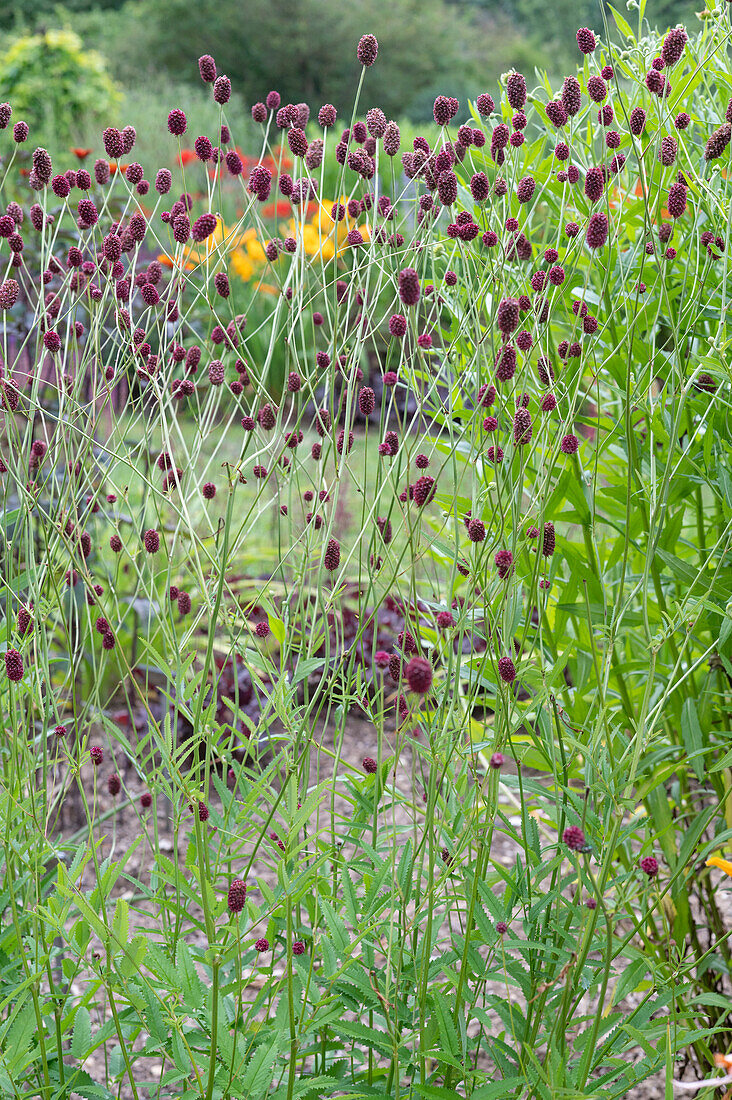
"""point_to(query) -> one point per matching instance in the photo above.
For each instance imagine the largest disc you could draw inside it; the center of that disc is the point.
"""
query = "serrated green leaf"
(258, 1076)
(81, 1040)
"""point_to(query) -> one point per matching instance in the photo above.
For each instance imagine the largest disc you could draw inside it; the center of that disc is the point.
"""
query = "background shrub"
(56, 85)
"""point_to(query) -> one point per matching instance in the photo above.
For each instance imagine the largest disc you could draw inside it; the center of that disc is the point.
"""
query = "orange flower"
(286, 159)
(169, 261)
(276, 210)
(82, 154)
(185, 157)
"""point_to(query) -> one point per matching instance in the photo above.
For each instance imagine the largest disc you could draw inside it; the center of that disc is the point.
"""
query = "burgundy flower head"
(596, 88)
(673, 45)
(718, 142)
(574, 838)
(649, 866)
(556, 113)
(586, 40)
(504, 558)
(676, 200)
(236, 896)
(409, 289)
(476, 530)
(327, 116)
(222, 90)
(177, 122)
(14, 666)
(507, 316)
(423, 490)
(594, 184)
(597, 230)
(418, 674)
(367, 50)
(549, 540)
(151, 540)
(203, 227)
(571, 95)
(516, 91)
(207, 68)
(525, 189)
(332, 557)
(522, 427)
(506, 670)
(442, 110)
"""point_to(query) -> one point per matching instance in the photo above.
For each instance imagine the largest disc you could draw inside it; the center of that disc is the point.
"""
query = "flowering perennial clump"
(338, 441)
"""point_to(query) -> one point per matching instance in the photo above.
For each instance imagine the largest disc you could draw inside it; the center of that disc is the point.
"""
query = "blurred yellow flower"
(221, 241)
(723, 864)
(320, 239)
(242, 265)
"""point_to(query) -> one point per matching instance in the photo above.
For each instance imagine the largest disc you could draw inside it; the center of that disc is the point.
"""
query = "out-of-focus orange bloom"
(280, 150)
(82, 154)
(276, 210)
(637, 193)
(185, 157)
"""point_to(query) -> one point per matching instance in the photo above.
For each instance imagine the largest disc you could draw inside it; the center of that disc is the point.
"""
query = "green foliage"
(305, 49)
(56, 85)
